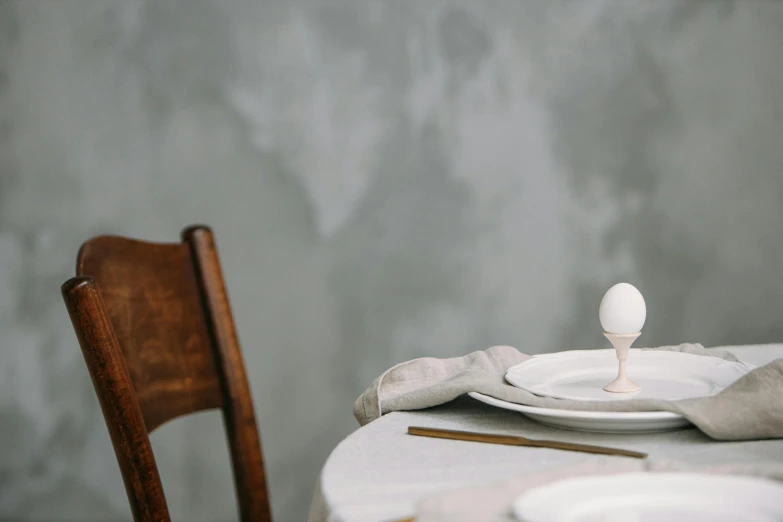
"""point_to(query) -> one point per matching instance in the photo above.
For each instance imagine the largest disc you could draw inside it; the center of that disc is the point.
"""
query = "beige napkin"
(492, 503)
(751, 408)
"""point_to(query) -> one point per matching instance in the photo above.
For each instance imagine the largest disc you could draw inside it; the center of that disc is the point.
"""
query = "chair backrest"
(157, 334)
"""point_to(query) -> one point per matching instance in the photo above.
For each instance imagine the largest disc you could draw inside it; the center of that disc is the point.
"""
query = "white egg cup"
(622, 343)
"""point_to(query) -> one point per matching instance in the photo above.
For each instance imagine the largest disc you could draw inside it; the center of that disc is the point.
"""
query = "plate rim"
(581, 414)
(664, 477)
(537, 359)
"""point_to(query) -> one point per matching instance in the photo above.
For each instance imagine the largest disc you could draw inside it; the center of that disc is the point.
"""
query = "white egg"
(622, 310)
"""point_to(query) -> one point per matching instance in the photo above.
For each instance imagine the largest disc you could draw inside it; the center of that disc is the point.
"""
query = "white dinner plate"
(581, 374)
(653, 497)
(594, 421)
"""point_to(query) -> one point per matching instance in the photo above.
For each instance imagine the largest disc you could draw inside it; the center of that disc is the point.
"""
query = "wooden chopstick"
(512, 440)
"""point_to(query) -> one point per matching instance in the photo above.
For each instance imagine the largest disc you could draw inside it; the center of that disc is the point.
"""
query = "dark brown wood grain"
(156, 330)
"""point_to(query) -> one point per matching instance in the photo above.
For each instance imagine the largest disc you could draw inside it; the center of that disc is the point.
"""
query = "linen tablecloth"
(379, 473)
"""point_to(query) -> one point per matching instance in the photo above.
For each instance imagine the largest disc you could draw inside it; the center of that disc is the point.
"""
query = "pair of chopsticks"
(511, 440)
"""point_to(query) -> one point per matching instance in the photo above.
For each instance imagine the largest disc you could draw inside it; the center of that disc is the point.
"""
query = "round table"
(379, 472)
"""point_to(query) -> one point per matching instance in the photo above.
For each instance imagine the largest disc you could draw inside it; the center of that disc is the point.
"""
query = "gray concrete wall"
(386, 180)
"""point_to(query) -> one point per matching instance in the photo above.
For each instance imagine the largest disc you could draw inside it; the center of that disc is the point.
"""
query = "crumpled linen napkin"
(751, 408)
(492, 502)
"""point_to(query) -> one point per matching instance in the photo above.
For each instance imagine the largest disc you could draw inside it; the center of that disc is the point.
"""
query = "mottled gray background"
(386, 180)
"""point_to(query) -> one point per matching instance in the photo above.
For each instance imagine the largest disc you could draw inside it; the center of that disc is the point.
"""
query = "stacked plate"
(581, 374)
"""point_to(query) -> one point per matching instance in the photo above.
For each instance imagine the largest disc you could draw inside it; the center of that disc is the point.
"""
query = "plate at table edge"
(669, 489)
(723, 372)
(634, 422)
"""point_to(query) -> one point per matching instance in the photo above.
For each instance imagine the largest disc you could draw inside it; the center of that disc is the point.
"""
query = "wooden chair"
(157, 334)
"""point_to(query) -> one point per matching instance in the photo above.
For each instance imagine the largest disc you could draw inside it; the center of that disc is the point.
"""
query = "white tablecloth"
(379, 473)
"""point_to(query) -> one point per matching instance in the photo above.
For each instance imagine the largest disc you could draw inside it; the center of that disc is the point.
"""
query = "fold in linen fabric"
(749, 409)
(492, 502)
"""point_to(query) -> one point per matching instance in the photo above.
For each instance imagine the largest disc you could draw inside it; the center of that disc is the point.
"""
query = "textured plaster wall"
(386, 180)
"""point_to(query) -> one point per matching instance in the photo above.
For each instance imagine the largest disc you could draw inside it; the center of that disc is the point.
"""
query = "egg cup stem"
(622, 343)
